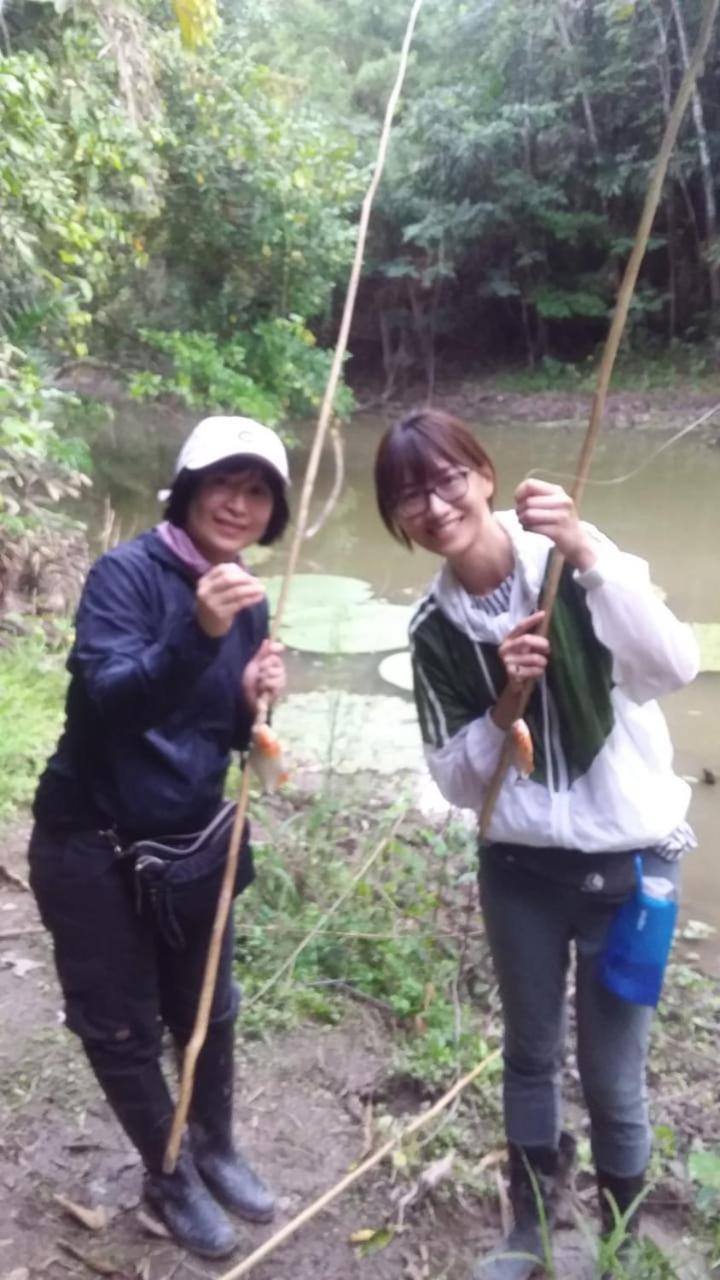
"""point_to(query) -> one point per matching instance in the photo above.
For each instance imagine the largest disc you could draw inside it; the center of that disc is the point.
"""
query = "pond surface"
(669, 514)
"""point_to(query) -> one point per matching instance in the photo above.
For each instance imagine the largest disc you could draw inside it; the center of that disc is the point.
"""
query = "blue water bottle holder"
(637, 946)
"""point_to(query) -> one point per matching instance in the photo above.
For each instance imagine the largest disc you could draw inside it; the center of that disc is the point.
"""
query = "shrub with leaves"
(41, 463)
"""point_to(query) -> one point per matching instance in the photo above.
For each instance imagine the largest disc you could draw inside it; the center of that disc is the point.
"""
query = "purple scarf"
(184, 548)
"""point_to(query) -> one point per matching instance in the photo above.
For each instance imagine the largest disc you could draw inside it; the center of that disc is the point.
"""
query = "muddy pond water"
(669, 514)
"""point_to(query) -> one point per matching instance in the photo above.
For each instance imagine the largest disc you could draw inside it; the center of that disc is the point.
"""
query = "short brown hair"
(409, 452)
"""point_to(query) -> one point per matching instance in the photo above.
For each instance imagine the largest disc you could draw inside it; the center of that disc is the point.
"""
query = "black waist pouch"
(179, 877)
(604, 875)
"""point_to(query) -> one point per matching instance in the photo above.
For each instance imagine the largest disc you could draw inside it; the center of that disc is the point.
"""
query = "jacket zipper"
(559, 796)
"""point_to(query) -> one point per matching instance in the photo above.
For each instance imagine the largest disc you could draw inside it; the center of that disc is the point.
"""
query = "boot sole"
(257, 1218)
(183, 1244)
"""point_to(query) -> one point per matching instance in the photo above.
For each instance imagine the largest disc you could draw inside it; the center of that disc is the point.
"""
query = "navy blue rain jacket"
(154, 706)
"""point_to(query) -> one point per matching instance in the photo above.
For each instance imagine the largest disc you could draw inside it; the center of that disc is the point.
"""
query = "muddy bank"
(481, 402)
(478, 398)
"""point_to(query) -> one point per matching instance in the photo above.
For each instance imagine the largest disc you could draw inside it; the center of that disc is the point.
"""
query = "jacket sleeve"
(653, 652)
(461, 748)
(135, 672)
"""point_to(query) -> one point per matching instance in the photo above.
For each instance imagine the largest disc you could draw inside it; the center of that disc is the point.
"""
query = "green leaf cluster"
(519, 163)
(78, 189)
(42, 461)
(382, 943)
(273, 372)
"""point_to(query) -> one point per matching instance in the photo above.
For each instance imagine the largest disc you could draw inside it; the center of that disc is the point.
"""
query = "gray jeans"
(531, 922)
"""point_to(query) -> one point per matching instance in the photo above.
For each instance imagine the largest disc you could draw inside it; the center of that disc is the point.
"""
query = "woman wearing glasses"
(596, 787)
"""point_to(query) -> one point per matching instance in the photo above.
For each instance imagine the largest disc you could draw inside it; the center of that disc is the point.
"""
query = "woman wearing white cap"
(170, 658)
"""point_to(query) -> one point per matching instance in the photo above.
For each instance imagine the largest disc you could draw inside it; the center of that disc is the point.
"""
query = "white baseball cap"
(219, 438)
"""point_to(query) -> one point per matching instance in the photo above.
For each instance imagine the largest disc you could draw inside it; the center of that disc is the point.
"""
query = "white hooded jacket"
(627, 795)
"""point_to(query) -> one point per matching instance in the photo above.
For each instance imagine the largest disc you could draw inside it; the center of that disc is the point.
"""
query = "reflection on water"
(669, 514)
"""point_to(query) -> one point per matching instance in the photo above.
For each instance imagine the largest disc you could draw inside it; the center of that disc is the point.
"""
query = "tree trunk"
(529, 347)
(424, 337)
(672, 268)
(705, 165)
(567, 44)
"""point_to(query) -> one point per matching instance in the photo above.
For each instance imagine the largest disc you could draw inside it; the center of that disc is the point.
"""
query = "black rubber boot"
(622, 1192)
(223, 1167)
(142, 1104)
(615, 1196)
(534, 1172)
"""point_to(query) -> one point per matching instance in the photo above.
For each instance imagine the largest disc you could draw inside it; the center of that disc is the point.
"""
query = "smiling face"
(448, 512)
(228, 512)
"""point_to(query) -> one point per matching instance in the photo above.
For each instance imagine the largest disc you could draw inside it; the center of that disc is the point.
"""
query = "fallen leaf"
(152, 1225)
(363, 1235)
(93, 1219)
(20, 1273)
(369, 1239)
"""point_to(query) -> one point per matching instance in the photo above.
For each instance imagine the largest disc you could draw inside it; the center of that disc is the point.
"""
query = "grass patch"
(399, 943)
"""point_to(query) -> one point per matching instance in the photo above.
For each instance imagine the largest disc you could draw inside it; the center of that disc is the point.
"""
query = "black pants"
(121, 981)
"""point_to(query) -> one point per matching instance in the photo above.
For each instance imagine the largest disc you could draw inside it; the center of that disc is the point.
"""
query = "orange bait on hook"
(523, 756)
(266, 758)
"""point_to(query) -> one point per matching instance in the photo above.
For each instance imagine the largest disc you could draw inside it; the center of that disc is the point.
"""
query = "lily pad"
(346, 732)
(397, 669)
(707, 635)
(328, 613)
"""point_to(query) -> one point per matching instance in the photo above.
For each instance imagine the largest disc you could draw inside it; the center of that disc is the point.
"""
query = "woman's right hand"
(221, 594)
(525, 655)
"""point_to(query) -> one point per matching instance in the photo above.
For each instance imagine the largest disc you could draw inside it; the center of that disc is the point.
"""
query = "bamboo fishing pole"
(197, 1040)
(622, 307)
(327, 1197)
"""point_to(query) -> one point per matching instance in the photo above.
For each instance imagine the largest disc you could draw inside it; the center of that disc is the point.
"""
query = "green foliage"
(32, 681)
(704, 1169)
(197, 198)
(206, 374)
(198, 21)
(77, 190)
(277, 372)
(382, 944)
(518, 167)
(213, 198)
(259, 191)
(40, 462)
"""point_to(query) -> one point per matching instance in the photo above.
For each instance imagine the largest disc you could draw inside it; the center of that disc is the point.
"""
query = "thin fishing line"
(630, 475)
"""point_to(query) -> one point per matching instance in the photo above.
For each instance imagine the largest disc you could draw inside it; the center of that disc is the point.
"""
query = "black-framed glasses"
(450, 487)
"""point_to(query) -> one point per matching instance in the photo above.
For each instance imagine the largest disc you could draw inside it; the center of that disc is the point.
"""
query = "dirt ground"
(302, 1117)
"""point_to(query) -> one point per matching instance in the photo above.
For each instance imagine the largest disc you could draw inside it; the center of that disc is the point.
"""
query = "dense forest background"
(179, 185)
